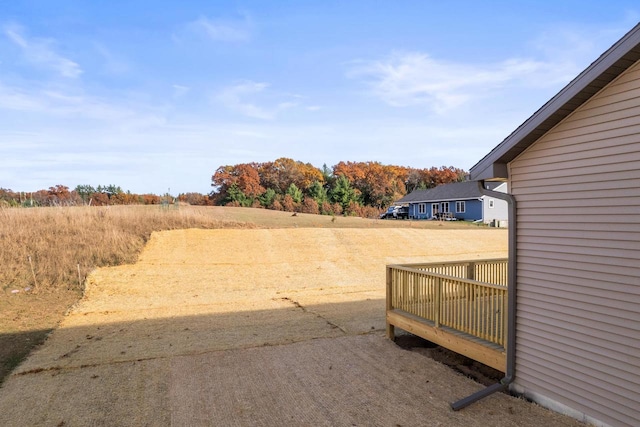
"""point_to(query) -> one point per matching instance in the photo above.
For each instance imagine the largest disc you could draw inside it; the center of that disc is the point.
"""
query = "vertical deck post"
(391, 333)
(471, 275)
(505, 325)
(438, 301)
(471, 271)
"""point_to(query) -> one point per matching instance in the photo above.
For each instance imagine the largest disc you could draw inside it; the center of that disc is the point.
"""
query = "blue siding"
(414, 211)
(473, 210)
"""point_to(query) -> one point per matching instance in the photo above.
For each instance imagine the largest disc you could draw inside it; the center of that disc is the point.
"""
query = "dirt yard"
(254, 327)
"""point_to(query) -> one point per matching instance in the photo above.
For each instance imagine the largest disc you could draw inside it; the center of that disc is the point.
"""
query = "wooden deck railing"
(469, 297)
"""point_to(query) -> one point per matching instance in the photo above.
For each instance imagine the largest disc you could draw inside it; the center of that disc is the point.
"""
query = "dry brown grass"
(43, 248)
(46, 254)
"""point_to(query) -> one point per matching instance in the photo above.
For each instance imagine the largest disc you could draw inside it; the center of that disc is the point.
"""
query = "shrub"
(310, 206)
(288, 204)
(326, 208)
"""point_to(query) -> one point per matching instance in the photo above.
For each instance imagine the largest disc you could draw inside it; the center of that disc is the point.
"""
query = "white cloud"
(180, 90)
(243, 98)
(41, 52)
(415, 78)
(220, 30)
(234, 98)
(551, 60)
(56, 103)
(569, 48)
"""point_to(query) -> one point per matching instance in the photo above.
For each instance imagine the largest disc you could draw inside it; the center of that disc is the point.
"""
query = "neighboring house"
(459, 200)
(573, 169)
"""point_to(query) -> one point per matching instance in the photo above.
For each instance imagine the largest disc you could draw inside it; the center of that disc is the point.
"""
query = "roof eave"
(457, 199)
(493, 172)
(601, 72)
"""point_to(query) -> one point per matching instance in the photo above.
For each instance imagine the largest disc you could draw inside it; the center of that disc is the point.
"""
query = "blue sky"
(153, 96)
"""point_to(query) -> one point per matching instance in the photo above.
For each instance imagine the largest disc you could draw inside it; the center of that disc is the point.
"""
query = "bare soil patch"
(253, 327)
(59, 241)
(26, 320)
(477, 371)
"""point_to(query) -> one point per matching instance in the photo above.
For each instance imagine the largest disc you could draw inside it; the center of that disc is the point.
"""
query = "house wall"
(499, 211)
(578, 264)
(414, 211)
(473, 210)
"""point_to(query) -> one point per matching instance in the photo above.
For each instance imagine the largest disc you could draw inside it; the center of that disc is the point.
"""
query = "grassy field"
(46, 254)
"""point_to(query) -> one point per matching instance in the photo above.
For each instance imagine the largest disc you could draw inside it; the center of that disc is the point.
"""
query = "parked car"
(388, 213)
(396, 212)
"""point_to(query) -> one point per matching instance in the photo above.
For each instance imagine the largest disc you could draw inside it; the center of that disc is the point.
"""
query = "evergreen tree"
(342, 193)
(234, 194)
(268, 198)
(318, 192)
(85, 192)
(295, 193)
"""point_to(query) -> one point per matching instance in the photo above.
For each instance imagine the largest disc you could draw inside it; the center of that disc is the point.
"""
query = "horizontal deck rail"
(468, 298)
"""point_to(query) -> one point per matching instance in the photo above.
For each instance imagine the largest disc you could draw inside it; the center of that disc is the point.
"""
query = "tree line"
(352, 188)
(61, 195)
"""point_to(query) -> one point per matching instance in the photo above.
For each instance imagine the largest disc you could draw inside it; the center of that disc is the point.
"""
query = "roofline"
(613, 62)
(445, 200)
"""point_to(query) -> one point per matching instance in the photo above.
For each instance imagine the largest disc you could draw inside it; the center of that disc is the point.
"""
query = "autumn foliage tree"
(238, 182)
(358, 188)
(281, 173)
(379, 185)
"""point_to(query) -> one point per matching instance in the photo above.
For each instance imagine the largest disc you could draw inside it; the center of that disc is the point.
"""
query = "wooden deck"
(460, 305)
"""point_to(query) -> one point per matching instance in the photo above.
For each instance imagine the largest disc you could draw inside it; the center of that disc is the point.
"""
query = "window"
(460, 207)
(444, 207)
(490, 203)
(422, 208)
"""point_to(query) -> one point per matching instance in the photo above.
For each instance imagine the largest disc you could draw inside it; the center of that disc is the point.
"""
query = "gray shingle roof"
(454, 191)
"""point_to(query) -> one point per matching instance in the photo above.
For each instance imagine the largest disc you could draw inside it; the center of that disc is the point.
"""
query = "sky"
(155, 96)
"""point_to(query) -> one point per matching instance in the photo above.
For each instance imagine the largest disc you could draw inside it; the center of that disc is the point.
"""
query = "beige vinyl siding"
(578, 315)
